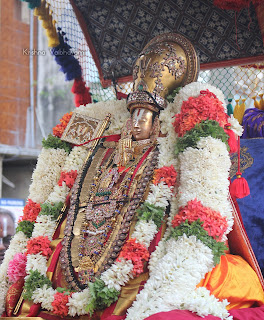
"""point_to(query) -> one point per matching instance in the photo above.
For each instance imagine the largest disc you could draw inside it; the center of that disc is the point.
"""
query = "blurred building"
(18, 35)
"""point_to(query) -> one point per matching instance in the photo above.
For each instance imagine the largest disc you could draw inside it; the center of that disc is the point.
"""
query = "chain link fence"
(242, 84)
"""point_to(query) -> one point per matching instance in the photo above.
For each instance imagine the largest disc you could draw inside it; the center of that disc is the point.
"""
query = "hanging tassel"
(44, 14)
(239, 187)
(65, 58)
(232, 141)
(229, 107)
(82, 95)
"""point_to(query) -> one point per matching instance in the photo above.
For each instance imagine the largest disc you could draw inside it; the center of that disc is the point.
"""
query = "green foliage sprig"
(26, 227)
(53, 210)
(102, 296)
(65, 291)
(150, 212)
(170, 97)
(34, 281)
(56, 143)
(195, 229)
(203, 129)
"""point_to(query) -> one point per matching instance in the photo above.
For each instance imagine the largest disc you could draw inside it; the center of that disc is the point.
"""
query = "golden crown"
(167, 62)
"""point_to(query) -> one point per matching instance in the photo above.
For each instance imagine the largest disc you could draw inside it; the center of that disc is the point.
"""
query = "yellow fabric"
(128, 294)
(233, 279)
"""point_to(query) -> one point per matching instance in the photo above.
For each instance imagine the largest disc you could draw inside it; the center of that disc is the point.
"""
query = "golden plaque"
(81, 129)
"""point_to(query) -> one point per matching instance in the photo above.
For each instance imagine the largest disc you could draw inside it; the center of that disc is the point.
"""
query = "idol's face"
(141, 123)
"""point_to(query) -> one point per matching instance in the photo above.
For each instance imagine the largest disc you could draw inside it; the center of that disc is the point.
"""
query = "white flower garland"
(47, 173)
(144, 232)
(203, 175)
(169, 254)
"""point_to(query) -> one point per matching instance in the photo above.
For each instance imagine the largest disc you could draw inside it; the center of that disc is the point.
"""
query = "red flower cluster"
(59, 304)
(31, 211)
(213, 222)
(194, 110)
(165, 174)
(68, 178)
(59, 128)
(39, 245)
(135, 252)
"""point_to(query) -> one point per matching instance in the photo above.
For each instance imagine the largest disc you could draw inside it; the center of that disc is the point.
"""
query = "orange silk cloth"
(233, 279)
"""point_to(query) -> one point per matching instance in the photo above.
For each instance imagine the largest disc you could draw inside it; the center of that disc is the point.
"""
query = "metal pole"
(31, 79)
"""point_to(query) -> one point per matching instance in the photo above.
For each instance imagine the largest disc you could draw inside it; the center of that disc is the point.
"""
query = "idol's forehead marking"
(138, 114)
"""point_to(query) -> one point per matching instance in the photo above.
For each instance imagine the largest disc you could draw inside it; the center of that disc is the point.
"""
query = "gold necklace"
(105, 204)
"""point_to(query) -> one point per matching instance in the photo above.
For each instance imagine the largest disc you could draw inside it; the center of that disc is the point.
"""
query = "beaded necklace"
(108, 194)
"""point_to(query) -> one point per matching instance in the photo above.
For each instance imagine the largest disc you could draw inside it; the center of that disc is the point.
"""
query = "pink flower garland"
(213, 222)
(17, 267)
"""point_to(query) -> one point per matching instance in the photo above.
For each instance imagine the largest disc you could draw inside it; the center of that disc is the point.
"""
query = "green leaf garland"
(34, 281)
(56, 143)
(102, 296)
(203, 129)
(195, 229)
(148, 212)
(171, 96)
(53, 210)
(26, 227)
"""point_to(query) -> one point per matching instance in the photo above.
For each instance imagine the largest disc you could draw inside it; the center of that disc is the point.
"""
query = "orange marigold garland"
(212, 221)
(39, 245)
(167, 175)
(59, 128)
(194, 110)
